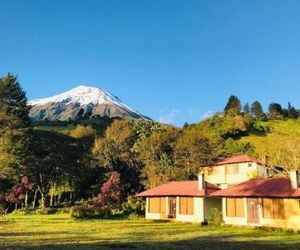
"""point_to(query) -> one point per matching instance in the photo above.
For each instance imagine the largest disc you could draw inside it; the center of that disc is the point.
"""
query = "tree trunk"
(43, 205)
(51, 200)
(58, 199)
(26, 198)
(34, 199)
(43, 199)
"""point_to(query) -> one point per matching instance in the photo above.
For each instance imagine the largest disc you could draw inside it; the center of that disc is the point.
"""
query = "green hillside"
(281, 141)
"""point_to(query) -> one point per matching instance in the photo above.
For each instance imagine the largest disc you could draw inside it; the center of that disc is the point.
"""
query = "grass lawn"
(61, 232)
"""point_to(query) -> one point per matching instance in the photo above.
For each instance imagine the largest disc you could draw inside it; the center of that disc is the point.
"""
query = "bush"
(46, 211)
(135, 216)
(82, 211)
(134, 205)
(215, 217)
(2, 210)
(24, 211)
(64, 210)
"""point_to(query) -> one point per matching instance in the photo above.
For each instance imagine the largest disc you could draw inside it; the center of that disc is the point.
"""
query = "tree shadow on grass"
(203, 243)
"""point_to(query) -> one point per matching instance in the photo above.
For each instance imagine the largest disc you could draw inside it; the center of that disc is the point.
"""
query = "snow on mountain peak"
(82, 95)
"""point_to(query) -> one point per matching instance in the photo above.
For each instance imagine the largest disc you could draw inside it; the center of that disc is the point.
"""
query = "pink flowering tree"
(18, 194)
(110, 195)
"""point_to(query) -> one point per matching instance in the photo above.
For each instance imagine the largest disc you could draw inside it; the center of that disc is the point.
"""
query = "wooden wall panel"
(186, 205)
(163, 205)
(267, 208)
(230, 207)
(239, 207)
(273, 208)
(190, 205)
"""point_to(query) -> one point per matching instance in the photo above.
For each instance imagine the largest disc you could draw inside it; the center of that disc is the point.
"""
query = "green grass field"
(62, 232)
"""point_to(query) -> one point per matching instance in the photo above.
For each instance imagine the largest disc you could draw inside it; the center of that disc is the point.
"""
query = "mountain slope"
(80, 102)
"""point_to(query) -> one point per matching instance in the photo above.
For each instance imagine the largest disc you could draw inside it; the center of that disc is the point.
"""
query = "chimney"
(265, 160)
(201, 182)
(294, 177)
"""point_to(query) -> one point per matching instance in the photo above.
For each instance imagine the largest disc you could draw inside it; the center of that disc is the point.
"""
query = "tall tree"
(275, 111)
(114, 151)
(246, 108)
(157, 153)
(52, 159)
(257, 110)
(192, 151)
(292, 112)
(13, 122)
(233, 106)
(13, 102)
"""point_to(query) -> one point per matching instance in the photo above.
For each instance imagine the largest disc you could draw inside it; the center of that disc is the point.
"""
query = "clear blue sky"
(173, 60)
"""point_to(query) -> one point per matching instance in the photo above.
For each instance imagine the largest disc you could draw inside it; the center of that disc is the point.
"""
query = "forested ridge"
(103, 163)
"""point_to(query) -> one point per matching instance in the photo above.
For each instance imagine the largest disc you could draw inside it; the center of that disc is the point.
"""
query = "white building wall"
(155, 216)
(197, 217)
(247, 171)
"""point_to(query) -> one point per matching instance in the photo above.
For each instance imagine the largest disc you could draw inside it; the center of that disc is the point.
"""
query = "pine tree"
(256, 110)
(246, 108)
(13, 103)
(292, 112)
(233, 106)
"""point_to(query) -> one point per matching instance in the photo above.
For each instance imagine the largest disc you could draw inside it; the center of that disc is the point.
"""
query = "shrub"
(64, 210)
(135, 216)
(24, 211)
(134, 205)
(2, 210)
(46, 210)
(215, 217)
(82, 211)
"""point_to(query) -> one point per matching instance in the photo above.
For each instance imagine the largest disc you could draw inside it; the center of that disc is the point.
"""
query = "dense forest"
(103, 163)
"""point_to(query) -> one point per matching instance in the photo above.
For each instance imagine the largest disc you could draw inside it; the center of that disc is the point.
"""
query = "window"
(273, 208)
(249, 165)
(215, 170)
(232, 169)
(186, 205)
(157, 205)
(235, 207)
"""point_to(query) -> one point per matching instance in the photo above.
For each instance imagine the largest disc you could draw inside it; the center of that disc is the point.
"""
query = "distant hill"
(82, 102)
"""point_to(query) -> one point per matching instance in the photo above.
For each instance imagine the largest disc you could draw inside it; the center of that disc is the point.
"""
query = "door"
(172, 208)
(252, 210)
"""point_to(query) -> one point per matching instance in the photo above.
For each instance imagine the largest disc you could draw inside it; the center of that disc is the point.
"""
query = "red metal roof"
(237, 159)
(279, 187)
(180, 188)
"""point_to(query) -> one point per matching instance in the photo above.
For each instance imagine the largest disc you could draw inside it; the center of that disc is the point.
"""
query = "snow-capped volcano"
(80, 102)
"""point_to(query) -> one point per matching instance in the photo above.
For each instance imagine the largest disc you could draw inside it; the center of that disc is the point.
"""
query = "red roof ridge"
(235, 159)
(277, 187)
(180, 188)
